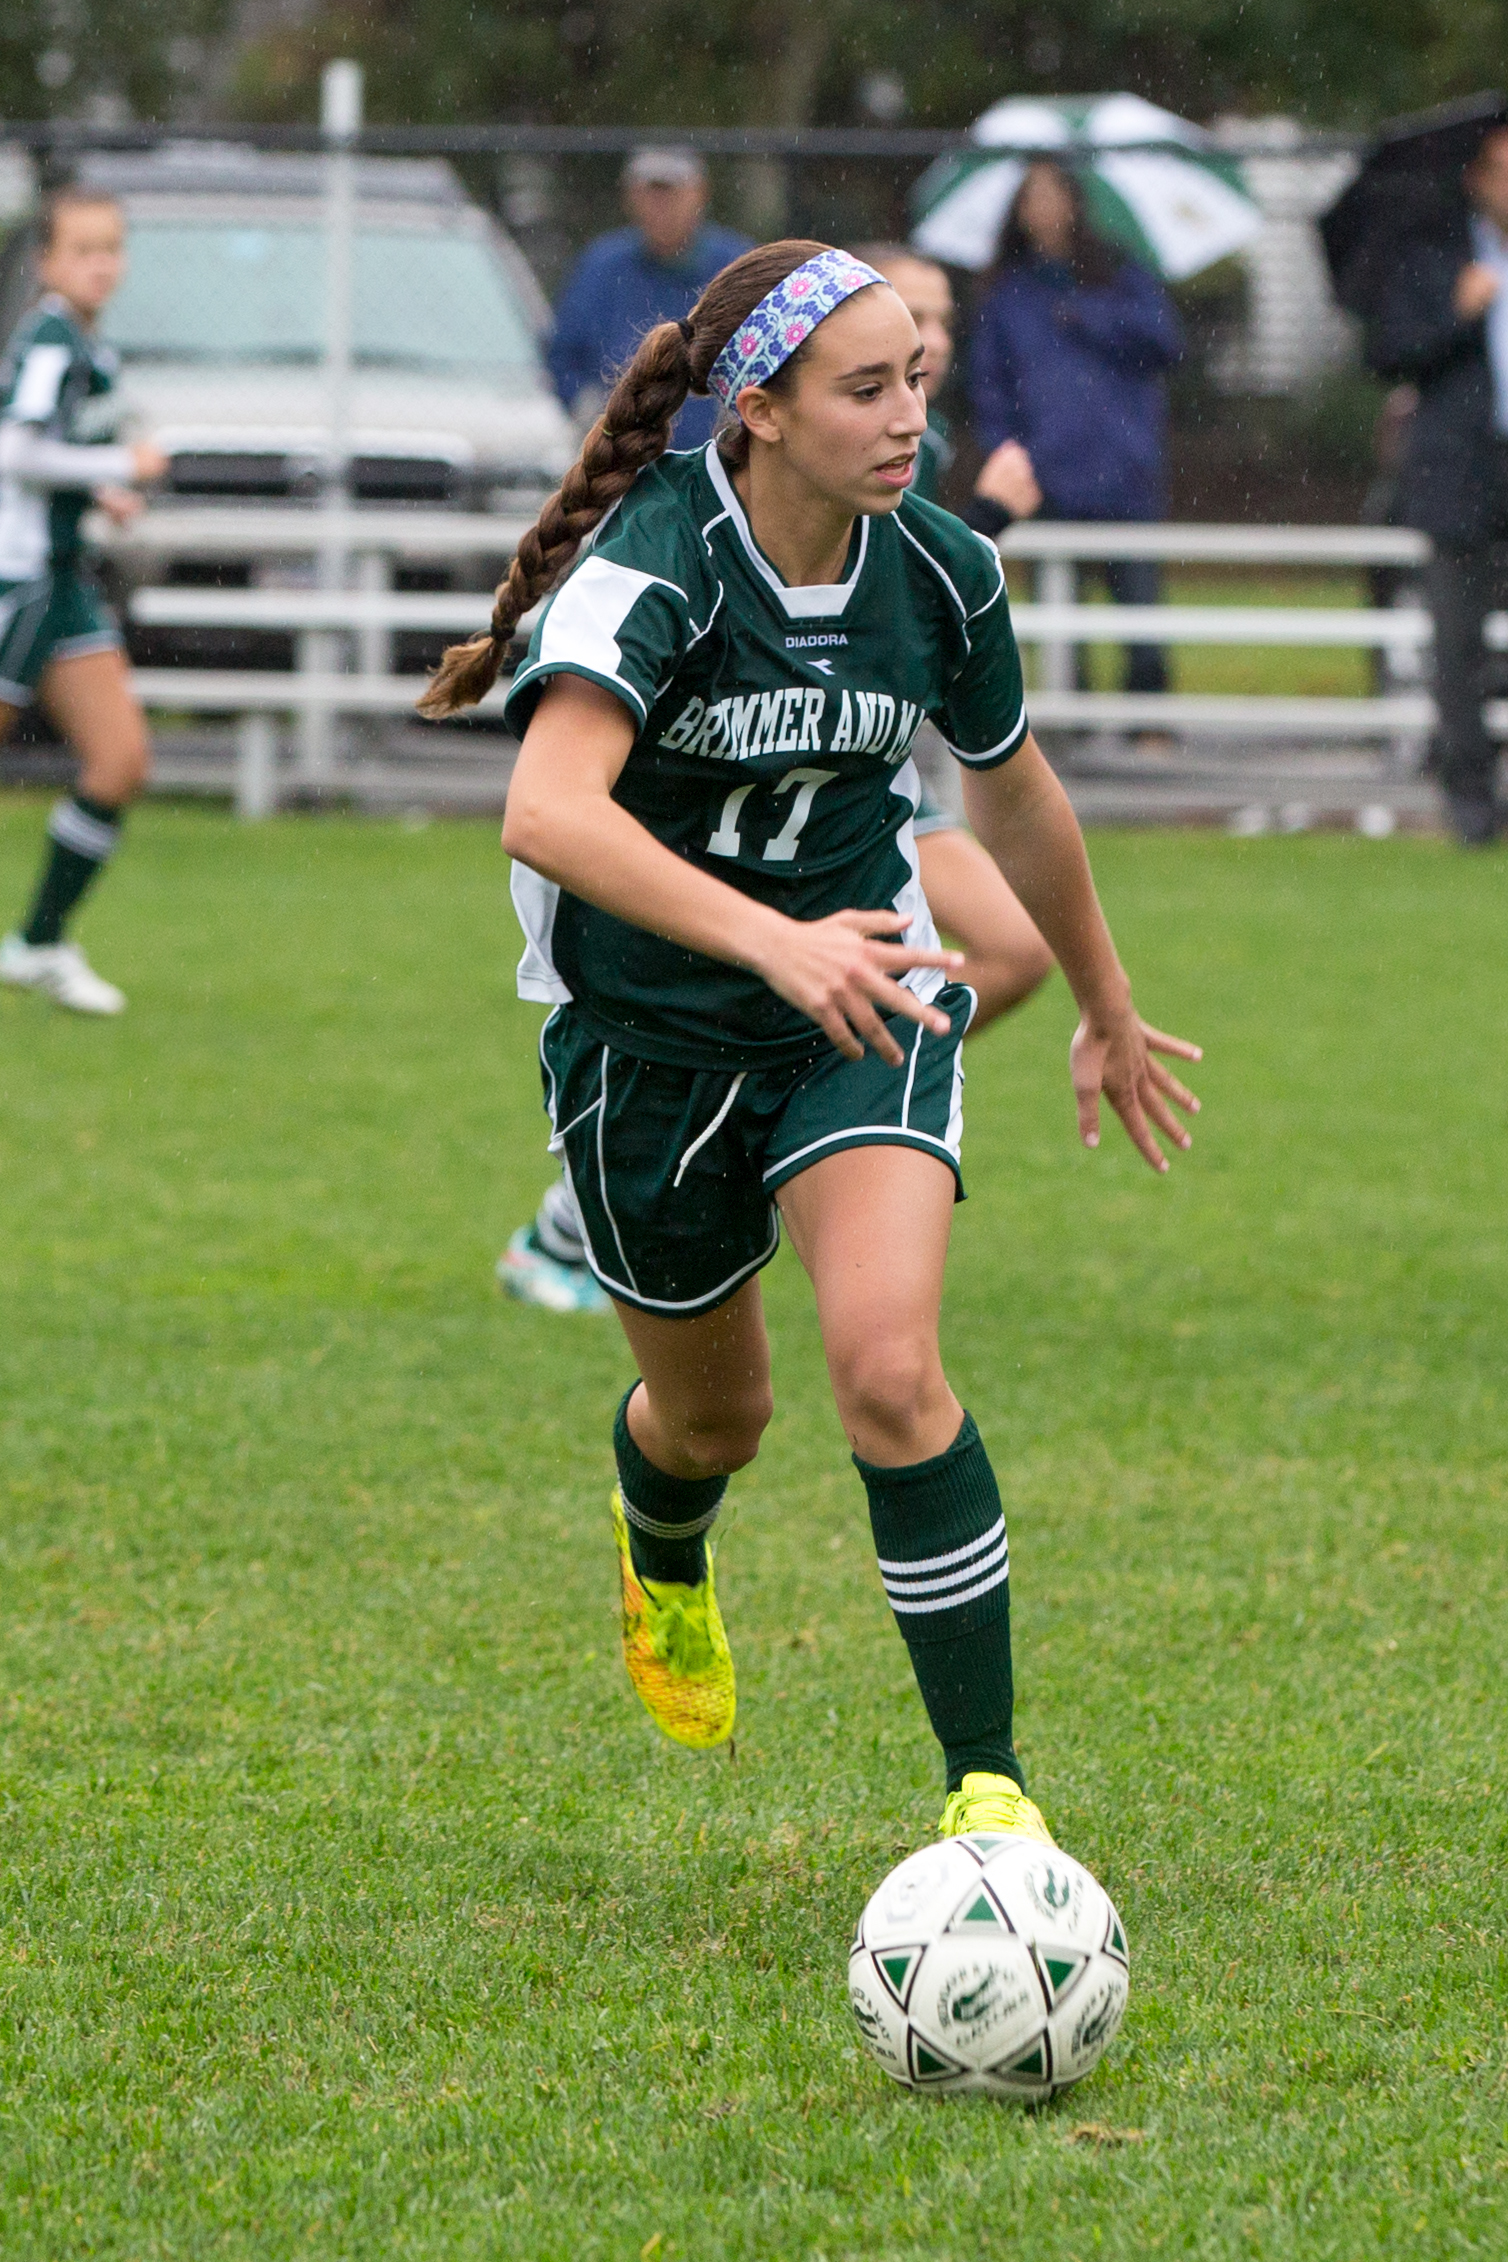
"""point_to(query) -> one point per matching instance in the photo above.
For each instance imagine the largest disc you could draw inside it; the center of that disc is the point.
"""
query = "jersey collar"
(823, 602)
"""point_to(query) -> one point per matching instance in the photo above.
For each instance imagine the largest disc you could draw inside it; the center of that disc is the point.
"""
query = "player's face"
(87, 256)
(929, 302)
(850, 425)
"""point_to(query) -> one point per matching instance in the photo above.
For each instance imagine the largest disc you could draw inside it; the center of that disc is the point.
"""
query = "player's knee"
(887, 1386)
(120, 777)
(1036, 963)
(136, 765)
(727, 1438)
(1011, 978)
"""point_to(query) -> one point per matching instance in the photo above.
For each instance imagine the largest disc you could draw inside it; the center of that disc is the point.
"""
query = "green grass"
(349, 1906)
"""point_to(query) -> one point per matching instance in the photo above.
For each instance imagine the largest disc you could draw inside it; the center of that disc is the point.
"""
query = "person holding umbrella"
(1071, 344)
(1076, 210)
(1418, 247)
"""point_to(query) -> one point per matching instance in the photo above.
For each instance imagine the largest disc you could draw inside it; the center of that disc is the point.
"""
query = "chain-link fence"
(365, 313)
(339, 339)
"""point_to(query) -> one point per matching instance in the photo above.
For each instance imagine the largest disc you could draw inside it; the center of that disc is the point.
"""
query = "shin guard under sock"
(940, 1536)
(81, 837)
(668, 1518)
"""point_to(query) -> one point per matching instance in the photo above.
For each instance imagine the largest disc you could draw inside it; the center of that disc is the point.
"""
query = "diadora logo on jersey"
(740, 729)
(811, 643)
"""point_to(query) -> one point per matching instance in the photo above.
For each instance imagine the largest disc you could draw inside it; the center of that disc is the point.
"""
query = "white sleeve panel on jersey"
(39, 461)
(536, 900)
(39, 384)
(581, 627)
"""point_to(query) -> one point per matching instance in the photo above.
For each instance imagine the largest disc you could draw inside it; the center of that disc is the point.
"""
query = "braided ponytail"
(632, 432)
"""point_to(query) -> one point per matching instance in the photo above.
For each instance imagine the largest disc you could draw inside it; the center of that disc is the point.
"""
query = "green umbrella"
(1153, 183)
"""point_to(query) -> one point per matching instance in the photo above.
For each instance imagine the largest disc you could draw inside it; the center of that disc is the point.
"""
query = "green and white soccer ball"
(992, 1963)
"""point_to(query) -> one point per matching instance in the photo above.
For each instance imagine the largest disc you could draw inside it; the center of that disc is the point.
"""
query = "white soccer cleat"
(531, 1275)
(60, 971)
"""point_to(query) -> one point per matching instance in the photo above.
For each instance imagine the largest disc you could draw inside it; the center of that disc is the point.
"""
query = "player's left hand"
(119, 504)
(1119, 1059)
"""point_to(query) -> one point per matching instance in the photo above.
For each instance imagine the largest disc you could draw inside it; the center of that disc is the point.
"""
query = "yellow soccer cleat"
(992, 1803)
(676, 1650)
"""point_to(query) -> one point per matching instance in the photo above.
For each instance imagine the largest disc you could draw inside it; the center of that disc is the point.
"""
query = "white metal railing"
(1091, 540)
(282, 545)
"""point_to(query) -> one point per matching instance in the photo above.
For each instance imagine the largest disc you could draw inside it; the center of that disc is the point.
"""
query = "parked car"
(220, 324)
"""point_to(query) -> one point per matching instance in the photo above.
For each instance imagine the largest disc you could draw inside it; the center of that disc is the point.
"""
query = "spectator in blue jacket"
(626, 282)
(1070, 346)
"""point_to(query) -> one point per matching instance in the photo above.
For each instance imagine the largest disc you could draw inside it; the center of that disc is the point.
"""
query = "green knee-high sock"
(945, 1560)
(81, 837)
(668, 1518)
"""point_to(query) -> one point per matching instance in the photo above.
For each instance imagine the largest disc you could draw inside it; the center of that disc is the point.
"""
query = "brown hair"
(1093, 262)
(632, 432)
(60, 200)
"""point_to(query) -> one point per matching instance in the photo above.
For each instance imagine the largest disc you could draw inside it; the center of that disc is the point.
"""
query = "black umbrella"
(1410, 181)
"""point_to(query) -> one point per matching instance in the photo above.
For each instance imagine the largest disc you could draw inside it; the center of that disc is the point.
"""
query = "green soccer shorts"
(675, 1170)
(59, 616)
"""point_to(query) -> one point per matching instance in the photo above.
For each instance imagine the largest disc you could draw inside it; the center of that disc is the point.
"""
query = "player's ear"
(758, 410)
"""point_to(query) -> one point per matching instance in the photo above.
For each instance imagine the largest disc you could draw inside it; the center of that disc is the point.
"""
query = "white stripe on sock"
(653, 1528)
(942, 1562)
(1000, 1553)
(952, 1601)
(73, 827)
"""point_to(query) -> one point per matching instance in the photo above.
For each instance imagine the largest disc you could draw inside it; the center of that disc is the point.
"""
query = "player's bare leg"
(974, 907)
(871, 1226)
(90, 701)
(88, 696)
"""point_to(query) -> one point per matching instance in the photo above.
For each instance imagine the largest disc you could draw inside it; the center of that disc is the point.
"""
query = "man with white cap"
(652, 271)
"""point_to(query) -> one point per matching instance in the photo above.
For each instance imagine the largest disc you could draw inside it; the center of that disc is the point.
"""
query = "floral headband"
(784, 319)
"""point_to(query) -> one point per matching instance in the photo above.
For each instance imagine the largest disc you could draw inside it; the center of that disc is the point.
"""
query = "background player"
(710, 826)
(58, 639)
(545, 1262)
(1005, 957)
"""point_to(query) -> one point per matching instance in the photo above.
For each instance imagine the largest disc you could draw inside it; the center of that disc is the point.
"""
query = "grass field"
(349, 1906)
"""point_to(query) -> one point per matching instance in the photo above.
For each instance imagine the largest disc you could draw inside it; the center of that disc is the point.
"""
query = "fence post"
(374, 646)
(256, 765)
(1057, 584)
(321, 650)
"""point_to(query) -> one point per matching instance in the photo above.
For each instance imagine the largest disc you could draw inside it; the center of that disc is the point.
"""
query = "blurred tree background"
(723, 62)
(938, 63)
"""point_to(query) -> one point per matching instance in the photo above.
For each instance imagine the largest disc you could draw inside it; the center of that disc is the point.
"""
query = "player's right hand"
(841, 973)
(148, 462)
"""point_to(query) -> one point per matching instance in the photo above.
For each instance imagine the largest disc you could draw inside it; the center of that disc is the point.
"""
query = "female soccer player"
(710, 821)
(58, 639)
(1005, 958)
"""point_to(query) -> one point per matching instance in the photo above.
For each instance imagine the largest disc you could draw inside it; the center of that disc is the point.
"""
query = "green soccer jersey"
(57, 381)
(774, 728)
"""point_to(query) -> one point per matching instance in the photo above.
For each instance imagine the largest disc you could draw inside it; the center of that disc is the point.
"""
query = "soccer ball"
(992, 1963)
